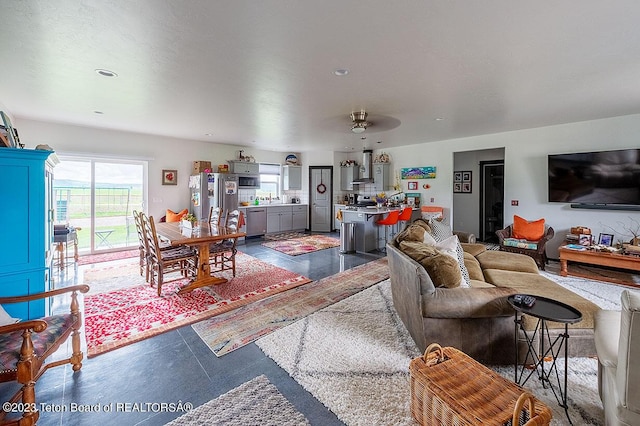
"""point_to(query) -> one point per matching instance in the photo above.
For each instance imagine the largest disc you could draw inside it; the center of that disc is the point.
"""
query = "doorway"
(320, 197)
(98, 197)
(491, 199)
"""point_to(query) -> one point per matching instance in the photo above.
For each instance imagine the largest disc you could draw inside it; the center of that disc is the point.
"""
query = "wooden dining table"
(199, 236)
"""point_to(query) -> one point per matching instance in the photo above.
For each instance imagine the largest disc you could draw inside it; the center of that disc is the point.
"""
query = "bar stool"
(405, 215)
(390, 220)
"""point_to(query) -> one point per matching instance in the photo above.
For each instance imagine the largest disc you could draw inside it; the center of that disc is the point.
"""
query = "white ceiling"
(261, 72)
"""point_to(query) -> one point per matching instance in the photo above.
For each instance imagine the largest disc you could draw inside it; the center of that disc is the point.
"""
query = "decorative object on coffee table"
(605, 239)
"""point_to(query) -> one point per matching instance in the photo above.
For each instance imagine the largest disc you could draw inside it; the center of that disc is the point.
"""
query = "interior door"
(321, 194)
(491, 199)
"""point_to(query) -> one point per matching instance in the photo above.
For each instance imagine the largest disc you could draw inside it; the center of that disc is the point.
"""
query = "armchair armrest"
(503, 233)
(465, 237)
(82, 288)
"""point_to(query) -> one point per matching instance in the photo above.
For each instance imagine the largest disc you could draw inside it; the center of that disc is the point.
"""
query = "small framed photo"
(412, 186)
(466, 176)
(457, 187)
(169, 177)
(605, 239)
(457, 176)
(466, 187)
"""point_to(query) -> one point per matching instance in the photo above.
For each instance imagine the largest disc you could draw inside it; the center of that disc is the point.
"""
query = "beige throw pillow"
(442, 268)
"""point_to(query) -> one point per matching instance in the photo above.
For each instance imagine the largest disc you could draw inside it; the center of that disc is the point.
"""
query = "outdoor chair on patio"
(25, 347)
(222, 255)
(167, 260)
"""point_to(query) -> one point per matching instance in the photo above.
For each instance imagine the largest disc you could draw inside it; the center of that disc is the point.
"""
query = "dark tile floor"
(176, 366)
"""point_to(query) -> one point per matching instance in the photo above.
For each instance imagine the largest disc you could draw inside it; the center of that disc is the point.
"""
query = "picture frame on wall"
(10, 137)
(466, 187)
(457, 187)
(169, 177)
(457, 177)
(412, 186)
(466, 176)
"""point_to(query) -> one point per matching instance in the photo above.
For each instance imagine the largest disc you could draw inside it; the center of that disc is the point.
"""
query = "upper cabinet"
(244, 167)
(382, 176)
(347, 176)
(291, 177)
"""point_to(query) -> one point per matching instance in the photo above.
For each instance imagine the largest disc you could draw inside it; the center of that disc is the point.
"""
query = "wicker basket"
(450, 388)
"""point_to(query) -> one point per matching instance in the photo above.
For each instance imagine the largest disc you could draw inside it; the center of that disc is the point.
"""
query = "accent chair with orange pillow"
(527, 237)
(175, 217)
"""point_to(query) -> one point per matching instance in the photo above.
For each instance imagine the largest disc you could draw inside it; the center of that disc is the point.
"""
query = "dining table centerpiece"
(189, 221)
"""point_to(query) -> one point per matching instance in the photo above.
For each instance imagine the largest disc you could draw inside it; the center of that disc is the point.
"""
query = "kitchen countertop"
(273, 205)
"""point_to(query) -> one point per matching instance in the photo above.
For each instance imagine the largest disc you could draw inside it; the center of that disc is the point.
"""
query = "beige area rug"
(303, 245)
(354, 357)
(232, 330)
(257, 402)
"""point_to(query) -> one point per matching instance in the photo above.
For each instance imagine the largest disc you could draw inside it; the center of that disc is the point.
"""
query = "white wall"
(526, 169)
(161, 153)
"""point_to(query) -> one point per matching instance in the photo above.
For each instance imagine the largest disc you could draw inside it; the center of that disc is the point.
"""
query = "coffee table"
(545, 309)
(592, 257)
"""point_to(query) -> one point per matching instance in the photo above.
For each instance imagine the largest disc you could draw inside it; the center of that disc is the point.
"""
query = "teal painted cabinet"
(27, 235)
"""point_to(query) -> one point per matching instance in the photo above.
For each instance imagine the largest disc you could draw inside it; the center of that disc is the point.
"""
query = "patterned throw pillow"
(440, 231)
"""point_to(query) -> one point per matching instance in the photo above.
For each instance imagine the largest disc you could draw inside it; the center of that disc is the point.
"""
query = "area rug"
(232, 330)
(256, 402)
(283, 236)
(121, 317)
(107, 257)
(303, 245)
(353, 356)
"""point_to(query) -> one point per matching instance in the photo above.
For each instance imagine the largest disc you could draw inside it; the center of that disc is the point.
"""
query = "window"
(269, 181)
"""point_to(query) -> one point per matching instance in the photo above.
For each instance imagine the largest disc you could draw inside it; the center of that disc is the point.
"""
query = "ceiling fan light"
(359, 127)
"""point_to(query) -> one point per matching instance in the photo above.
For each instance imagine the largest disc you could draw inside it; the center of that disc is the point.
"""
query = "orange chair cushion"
(531, 231)
(175, 217)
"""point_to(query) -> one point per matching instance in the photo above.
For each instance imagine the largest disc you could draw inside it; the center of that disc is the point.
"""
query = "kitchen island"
(368, 235)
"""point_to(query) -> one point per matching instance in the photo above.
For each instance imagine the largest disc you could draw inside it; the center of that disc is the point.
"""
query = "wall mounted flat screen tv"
(595, 178)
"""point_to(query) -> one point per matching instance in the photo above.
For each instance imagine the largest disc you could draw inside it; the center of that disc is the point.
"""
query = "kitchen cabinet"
(382, 176)
(291, 177)
(27, 241)
(245, 168)
(299, 217)
(347, 176)
(279, 219)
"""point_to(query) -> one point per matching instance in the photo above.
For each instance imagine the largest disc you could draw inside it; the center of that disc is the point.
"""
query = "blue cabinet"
(27, 237)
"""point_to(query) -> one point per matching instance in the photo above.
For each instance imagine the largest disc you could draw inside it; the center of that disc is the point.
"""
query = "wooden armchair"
(538, 253)
(26, 345)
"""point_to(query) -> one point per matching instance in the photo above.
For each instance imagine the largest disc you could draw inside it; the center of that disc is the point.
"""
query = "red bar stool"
(405, 216)
(390, 220)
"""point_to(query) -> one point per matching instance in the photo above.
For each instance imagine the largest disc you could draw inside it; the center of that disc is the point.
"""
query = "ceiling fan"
(360, 121)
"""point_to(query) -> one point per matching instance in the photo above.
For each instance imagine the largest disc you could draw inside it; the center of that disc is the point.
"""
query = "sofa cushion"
(493, 259)
(480, 284)
(515, 242)
(527, 230)
(442, 268)
(537, 285)
(473, 249)
(176, 217)
(473, 267)
(413, 232)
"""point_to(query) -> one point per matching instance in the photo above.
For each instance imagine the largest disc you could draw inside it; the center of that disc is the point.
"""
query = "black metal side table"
(545, 309)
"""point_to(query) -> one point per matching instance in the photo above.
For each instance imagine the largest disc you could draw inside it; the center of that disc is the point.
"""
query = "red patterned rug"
(107, 257)
(233, 330)
(132, 313)
(302, 245)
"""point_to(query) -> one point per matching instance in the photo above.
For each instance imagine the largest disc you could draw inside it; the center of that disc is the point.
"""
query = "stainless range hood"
(366, 168)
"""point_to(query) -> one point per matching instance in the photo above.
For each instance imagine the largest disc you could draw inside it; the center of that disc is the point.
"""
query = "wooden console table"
(591, 257)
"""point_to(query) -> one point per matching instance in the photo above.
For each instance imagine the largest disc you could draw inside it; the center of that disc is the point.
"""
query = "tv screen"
(603, 177)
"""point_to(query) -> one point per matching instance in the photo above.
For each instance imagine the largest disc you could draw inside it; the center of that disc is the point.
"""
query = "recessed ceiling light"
(439, 119)
(340, 72)
(98, 112)
(106, 73)
(208, 134)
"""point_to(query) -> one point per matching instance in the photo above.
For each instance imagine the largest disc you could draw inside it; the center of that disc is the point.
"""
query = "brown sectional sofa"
(478, 320)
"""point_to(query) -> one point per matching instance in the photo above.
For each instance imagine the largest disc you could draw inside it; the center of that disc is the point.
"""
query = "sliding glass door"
(98, 196)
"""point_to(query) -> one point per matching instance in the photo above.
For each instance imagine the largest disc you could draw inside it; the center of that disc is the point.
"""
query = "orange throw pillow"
(175, 217)
(531, 231)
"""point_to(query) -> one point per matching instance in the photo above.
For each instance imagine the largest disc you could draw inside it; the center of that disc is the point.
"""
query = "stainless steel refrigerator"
(213, 190)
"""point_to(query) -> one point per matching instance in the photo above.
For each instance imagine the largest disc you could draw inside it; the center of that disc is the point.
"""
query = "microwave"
(249, 181)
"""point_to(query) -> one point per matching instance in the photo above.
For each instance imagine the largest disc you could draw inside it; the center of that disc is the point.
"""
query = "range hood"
(366, 168)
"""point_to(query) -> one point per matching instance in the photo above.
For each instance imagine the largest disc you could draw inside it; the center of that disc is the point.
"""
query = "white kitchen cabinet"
(382, 176)
(347, 176)
(291, 177)
(299, 217)
(279, 219)
(245, 168)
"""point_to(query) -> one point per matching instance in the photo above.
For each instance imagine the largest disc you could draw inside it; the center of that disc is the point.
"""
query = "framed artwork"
(462, 182)
(428, 172)
(605, 239)
(169, 177)
(8, 127)
(412, 186)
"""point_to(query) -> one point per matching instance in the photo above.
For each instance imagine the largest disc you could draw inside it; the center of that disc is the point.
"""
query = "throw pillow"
(410, 233)
(175, 217)
(530, 231)
(442, 268)
(441, 231)
(6, 319)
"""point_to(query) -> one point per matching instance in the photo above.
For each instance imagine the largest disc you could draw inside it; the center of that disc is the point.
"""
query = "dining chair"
(142, 246)
(215, 215)
(222, 255)
(165, 261)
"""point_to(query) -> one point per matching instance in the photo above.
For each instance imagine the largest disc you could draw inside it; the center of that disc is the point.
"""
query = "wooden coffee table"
(591, 257)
